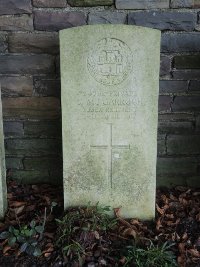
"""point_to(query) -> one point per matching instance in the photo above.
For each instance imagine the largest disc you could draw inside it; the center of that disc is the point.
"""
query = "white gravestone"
(3, 188)
(109, 79)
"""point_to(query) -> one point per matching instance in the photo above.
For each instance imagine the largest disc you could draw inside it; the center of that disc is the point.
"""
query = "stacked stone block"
(30, 81)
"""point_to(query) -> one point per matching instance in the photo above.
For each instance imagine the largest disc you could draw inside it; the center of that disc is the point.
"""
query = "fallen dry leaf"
(122, 260)
(19, 210)
(47, 254)
(16, 204)
(181, 247)
(194, 252)
(49, 235)
(6, 249)
(130, 232)
(181, 261)
(96, 234)
(184, 237)
(161, 211)
(30, 208)
(158, 224)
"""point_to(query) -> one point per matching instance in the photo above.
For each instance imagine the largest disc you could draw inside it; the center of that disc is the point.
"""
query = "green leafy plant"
(98, 218)
(27, 237)
(153, 256)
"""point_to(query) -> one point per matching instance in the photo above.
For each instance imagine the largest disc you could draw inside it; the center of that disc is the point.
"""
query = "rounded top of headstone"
(110, 27)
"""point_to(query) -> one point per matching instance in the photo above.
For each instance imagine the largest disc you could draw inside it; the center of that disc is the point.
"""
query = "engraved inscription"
(110, 147)
(107, 104)
(110, 62)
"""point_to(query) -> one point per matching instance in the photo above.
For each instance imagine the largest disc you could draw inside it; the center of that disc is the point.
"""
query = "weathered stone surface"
(33, 43)
(194, 87)
(186, 103)
(32, 147)
(177, 117)
(42, 163)
(185, 4)
(36, 177)
(56, 176)
(167, 167)
(183, 144)
(46, 87)
(14, 163)
(55, 21)
(90, 2)
(164, 103)
(58, 66)
(180, 42)
(42, 129)
(31, 107)
(16, 23)
(186, 74)
(177, 21)
(49, 3)
(198, 22)
(16, 85)
(161, 143)
(13, 129)
(3, 188)
(106, 17)
(3, 42)
(181, 3)
(9, 7)
(171, 182)
(31, 177)
(173, 87)
(141, 4)
(110, 120)
(198, 123)
(26, 64)
(193, 181)
(165, 65)
(172, 127)
(187, 62)
(175, 124)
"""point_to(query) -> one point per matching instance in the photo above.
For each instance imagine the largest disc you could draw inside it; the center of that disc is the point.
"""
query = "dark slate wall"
(30, 81)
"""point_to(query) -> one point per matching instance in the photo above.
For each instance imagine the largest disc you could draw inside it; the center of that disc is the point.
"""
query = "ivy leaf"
(12, 240)
(32, 232)
(23, 247)
(34, 243)
(30, 250)
(39, 229)
(4, 235)
(15, 232)
(27, 232)
(37, 252)
(21, 239)
(11, 229)
(32, 224)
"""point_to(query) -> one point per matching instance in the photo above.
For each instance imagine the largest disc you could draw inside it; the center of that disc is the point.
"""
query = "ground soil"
(177, 221)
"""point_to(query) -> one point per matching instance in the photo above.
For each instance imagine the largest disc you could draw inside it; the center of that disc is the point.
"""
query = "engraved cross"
(110, 147)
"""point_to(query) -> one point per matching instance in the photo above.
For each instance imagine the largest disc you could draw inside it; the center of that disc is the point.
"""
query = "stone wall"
(29, 77)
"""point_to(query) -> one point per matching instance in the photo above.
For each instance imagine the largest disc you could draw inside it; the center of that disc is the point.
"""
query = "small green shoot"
(153, 256)
(80, 227)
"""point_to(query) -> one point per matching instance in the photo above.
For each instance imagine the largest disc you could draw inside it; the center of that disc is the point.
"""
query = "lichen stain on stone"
(86, 172)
